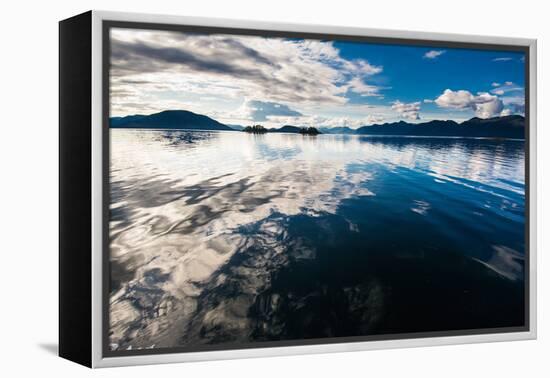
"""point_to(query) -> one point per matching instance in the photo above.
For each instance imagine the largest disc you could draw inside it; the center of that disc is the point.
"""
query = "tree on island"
(256, 129)
(309, 131)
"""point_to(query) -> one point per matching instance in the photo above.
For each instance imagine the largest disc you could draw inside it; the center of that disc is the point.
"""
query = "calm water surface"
(226, 237)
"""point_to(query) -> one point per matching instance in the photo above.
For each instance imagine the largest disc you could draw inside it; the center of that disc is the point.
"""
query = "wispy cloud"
(409, 111)
(358, 86)
(507, 87)
(502, 59)
(432, 54)
(512, 96)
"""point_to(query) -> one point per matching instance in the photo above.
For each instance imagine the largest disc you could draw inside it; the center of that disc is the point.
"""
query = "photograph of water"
(272, 190)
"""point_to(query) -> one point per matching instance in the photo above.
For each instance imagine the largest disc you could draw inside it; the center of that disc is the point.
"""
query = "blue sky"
(245, 80)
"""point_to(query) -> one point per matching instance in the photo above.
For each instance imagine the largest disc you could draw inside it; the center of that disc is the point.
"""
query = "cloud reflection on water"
(199, 221)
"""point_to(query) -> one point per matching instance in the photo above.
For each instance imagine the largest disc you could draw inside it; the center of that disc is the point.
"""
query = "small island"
(259, 129)
(309, 131)
(255, 129)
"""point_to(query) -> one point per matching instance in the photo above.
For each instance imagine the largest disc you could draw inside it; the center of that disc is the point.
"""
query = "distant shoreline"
(503, 127)
(372, 136)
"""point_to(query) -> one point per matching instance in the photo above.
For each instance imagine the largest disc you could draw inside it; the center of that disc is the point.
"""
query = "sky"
(245, 80)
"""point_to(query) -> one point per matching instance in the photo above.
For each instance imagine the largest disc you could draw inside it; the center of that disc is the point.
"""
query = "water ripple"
(203, 234)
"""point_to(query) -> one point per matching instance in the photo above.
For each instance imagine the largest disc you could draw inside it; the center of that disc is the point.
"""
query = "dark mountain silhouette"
(286, 129)
(116, 121)
(499, 127)
(337, 130)
(309, 131)
(168, 119)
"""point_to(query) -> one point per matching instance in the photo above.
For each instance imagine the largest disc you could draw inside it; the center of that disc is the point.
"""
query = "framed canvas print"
(235, 189)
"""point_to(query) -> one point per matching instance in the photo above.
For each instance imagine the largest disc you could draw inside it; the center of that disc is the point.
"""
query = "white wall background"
(28, 200)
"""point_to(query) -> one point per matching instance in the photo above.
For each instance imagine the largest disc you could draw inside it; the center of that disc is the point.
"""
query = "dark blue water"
(223, 238)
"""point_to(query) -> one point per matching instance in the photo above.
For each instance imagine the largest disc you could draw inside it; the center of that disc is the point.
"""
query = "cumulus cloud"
(455, 99)
(485, 105)
(495, 84)
(233, 67)
(432, 54)
(409, 111)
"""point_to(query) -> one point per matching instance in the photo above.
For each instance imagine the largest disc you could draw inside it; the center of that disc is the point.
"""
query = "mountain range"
(512, 126)
(169, 119)
(337, 130)
(286, 129)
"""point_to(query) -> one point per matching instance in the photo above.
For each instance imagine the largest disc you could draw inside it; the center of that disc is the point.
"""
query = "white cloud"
(260, 111)
(428, 101)
(512, 97)
(432, 54)
(483, 104)
(503, 59)
(515, 103)
(455, 99)
(352, 123)
(495, 84)
(358, 66)
(358, 86)
(507, 87)
(487, 105)
(506, 112)
(407, 110)
(372, 119)
(150, 67)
